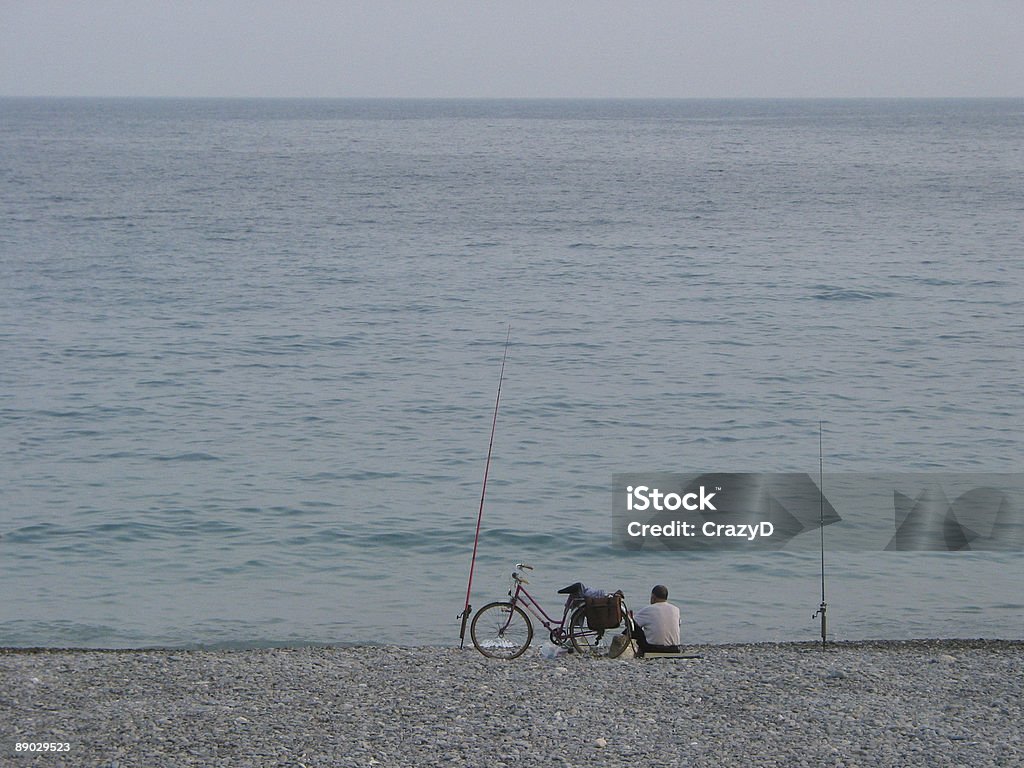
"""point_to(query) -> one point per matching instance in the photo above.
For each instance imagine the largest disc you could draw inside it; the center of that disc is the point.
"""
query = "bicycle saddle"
(573, 589)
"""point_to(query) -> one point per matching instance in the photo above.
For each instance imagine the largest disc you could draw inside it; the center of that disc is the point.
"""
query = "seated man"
(656, 626)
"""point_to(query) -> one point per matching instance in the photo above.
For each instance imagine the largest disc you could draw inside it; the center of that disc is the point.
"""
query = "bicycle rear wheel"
(595, 642)
(501, 630)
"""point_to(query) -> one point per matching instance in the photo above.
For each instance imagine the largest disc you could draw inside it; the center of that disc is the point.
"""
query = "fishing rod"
(483, 492)
(821, 527)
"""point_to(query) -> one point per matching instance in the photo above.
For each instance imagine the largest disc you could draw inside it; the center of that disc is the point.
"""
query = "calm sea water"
(249, 353)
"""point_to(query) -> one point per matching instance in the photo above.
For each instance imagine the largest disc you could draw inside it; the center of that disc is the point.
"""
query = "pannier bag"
(604, 612)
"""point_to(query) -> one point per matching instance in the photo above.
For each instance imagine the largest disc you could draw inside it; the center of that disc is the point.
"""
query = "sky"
(513, 48)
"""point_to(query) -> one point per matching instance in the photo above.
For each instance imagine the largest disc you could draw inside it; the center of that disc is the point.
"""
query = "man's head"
(659, 594)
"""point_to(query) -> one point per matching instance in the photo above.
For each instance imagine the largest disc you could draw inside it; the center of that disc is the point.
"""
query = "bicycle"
(503, 629)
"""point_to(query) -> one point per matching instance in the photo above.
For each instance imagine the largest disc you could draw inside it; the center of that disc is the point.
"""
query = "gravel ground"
(934, 703)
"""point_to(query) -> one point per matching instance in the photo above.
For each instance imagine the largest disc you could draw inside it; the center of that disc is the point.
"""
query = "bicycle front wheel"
(501, 630)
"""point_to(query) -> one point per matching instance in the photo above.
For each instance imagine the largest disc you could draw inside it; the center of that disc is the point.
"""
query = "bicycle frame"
(522, 597)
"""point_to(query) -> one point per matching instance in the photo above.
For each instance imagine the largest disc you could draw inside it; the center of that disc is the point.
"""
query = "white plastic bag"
(552, 651)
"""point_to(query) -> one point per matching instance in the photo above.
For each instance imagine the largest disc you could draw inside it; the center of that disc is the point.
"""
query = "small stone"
(601, 742)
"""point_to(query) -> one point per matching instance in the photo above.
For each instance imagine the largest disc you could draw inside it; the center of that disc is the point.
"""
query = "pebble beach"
(934, 703)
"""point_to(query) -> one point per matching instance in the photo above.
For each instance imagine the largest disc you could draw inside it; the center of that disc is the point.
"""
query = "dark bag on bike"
(574, 590)
(604, 612)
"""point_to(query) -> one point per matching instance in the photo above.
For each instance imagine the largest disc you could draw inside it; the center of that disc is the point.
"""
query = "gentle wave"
(250, 402)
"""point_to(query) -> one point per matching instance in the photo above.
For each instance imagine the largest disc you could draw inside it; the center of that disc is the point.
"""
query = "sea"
(250, 353)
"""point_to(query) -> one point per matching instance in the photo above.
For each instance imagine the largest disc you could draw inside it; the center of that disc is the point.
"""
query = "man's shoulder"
(656, 609)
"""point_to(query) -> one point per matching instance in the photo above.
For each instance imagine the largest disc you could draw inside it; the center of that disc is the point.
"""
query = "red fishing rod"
(480, 515)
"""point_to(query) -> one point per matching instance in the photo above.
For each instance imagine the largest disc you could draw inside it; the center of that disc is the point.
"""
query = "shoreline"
(880, 703)
(919, 643)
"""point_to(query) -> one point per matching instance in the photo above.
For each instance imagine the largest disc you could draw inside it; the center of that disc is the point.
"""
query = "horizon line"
(515, 98)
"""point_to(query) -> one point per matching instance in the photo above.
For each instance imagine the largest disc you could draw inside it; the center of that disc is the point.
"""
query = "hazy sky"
(538, 48)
